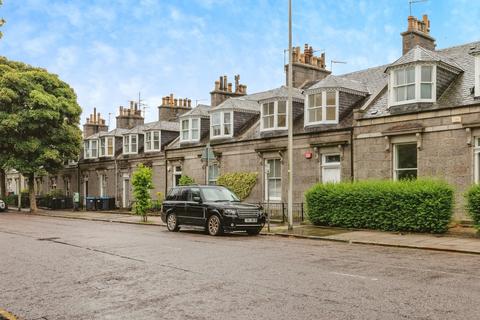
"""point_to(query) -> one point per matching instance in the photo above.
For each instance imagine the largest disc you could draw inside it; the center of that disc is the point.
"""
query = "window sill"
(312, 124)
(220, 137)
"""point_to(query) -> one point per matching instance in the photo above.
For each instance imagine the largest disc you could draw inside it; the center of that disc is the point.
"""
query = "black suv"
(215, 208)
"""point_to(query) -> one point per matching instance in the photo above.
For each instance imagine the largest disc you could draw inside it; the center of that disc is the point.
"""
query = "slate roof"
(201, 111)
(418, 54)
(115, 132)
(332, 81)
(457, 94)
(251, 102)
(157, 125)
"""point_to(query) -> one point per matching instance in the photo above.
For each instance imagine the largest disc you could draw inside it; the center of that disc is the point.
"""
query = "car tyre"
(254, 232)
(172, 222)
(214, 225)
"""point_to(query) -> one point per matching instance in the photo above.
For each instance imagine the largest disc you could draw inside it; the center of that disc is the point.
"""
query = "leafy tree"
(39, 122)
(186, 181)
(142, 184)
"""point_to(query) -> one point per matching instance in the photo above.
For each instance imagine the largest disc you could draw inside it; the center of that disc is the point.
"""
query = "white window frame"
(221, 124)
(176, 172)
(395, 159)
(212, 180)
(331, 165)
(476, 157)
(267, 179)
(89, 149)
(323, 108)
(149, 142)
(190, 130)
(274, 115)
(418, 81)
(103, 147)
(128, 138)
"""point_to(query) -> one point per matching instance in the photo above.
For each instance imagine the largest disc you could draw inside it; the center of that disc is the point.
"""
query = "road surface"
(54, 268)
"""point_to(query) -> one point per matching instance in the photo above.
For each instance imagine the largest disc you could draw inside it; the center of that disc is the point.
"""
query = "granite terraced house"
(416, 117)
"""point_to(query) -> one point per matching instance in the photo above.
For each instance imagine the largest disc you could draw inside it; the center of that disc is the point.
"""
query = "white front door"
(331, 168)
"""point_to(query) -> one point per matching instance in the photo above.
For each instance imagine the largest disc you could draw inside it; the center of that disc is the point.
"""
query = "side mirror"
(197, 199)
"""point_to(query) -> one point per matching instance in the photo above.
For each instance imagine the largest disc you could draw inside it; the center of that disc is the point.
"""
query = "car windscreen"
(218, 194)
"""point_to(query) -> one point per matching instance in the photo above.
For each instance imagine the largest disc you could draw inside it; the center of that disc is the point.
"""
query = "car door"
(179, 205)
(195, 208)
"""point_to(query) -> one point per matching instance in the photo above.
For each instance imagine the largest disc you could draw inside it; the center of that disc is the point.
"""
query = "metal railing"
(278, 211)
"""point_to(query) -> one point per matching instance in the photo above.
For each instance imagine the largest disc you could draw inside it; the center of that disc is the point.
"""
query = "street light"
(290, 120)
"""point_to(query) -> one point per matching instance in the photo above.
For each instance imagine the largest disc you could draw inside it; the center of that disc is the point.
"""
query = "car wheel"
(172, 223)
(214, 225)
(254, 232)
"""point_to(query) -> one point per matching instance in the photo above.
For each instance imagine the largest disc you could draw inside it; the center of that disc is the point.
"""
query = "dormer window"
(274, 115)
(91, 149)
(190, 130)
(221, 124)
(322, 108)
(413, 84)
(130, 144)
(106, 147)
(152, 141)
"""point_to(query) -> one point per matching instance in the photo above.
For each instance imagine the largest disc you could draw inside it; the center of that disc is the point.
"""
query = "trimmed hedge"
(473, 204)
(241, 183)
(410, 205)
(185, 181)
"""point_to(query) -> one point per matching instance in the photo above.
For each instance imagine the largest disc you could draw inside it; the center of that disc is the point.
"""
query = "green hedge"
(411, 205)
(185, 181)
(473, 204)
(241, 183)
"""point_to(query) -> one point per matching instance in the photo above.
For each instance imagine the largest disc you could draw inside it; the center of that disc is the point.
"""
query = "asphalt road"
(53, 268)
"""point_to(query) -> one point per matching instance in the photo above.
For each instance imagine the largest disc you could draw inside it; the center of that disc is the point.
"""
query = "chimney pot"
(225, 85)
(217, 85)
(189, 103)
(229, 87)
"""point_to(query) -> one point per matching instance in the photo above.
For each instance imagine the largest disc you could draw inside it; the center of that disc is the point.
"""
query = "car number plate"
(251, 220)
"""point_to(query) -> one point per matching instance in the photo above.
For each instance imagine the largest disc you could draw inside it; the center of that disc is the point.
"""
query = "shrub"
(186, 181)
(412, 205)
(241, 183)
(473, 204)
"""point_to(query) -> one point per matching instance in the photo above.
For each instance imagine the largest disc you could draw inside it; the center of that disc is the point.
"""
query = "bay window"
(322, 108)
(405, 161)
(413, 84)
(130, 144)
(91, 149)
(106, 147)
(152, 141)
(221, 124)
(190, 130)
(274, 115)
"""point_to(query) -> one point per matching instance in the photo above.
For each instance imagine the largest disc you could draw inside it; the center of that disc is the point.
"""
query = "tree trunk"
(3, 184)
(31, 193)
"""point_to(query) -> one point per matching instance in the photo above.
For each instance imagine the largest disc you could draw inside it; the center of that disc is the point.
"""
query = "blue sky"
(109, 50)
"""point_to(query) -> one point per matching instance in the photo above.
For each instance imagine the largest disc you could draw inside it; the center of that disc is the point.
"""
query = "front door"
(331, 168)
(126, 193)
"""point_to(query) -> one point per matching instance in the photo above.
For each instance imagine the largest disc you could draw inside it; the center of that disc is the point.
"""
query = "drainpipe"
(351, 156)
(116, 182)
(166, 173)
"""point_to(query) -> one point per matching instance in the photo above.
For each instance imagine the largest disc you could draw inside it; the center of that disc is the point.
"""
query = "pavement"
(56, 268)
(459, 239)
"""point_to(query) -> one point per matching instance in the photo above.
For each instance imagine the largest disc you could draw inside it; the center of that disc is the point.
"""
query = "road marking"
(353, 276)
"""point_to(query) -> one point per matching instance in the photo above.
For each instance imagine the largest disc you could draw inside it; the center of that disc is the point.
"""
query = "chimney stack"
(129, 117)
(94, 124)
(224, 90)
(306, 66)
(418, 33)
(171, 108)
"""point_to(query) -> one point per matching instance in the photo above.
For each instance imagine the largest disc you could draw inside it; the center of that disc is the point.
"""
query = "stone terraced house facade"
(416, 117)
